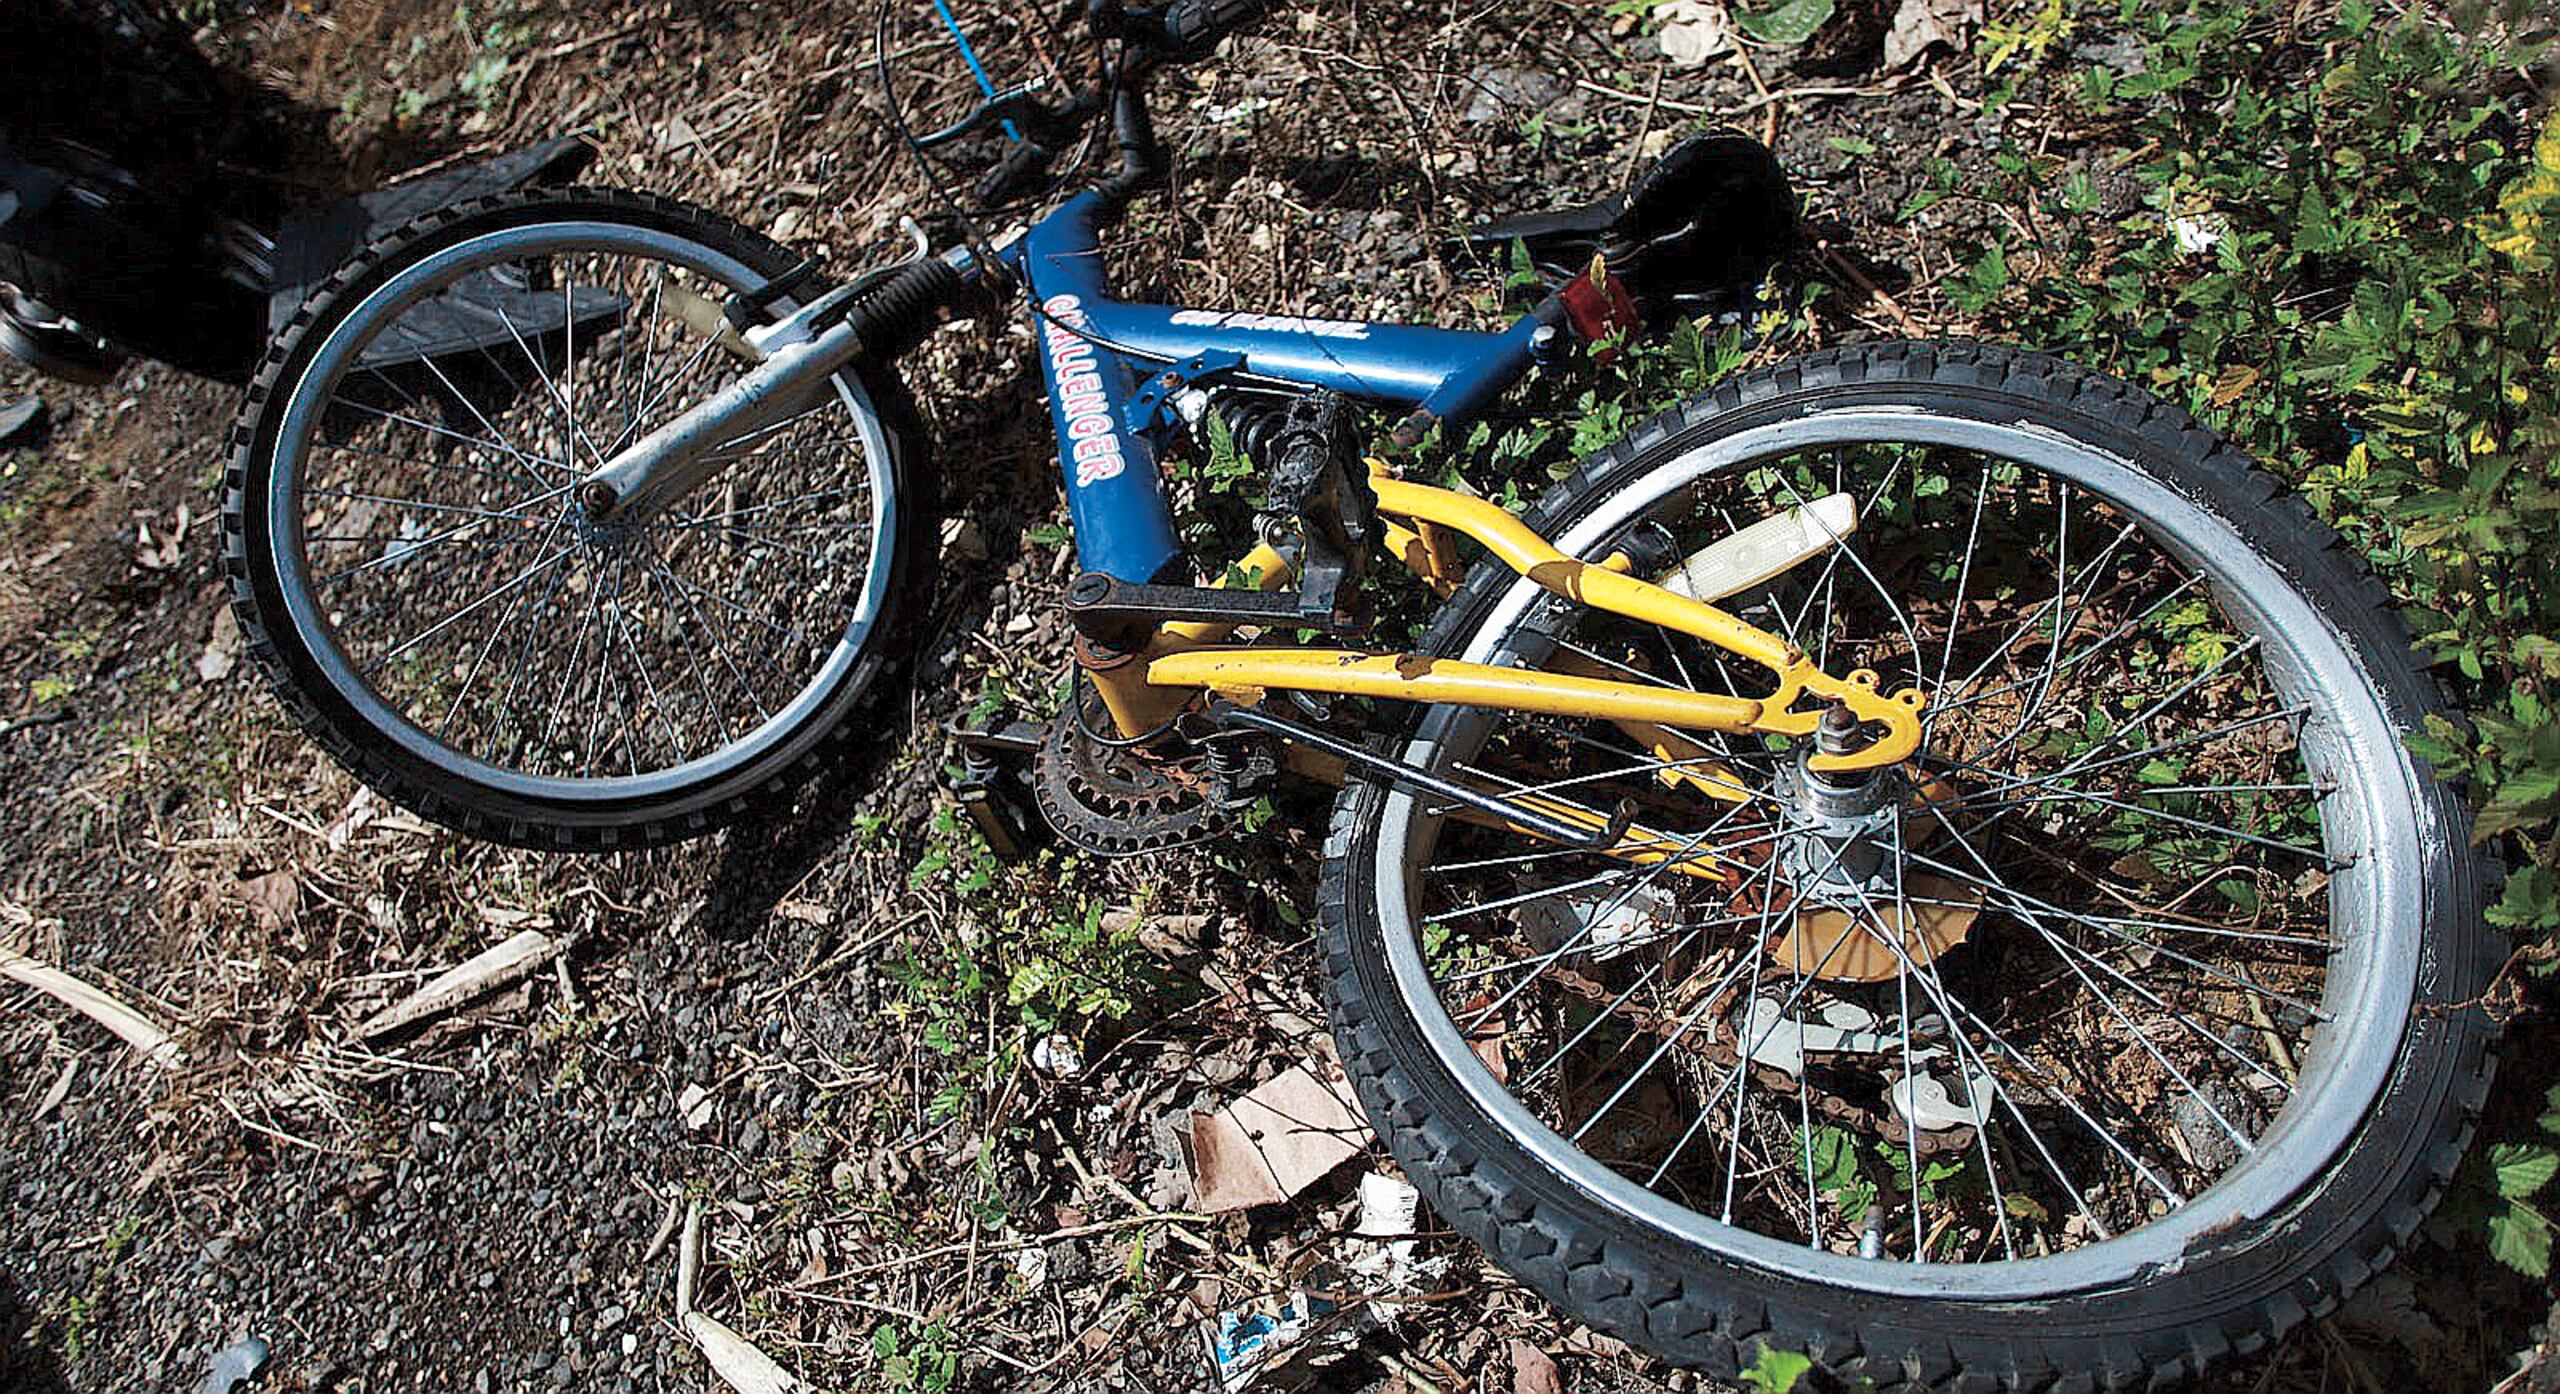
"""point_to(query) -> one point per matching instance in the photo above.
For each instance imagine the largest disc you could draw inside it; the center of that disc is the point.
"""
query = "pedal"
(1763, 551)
(994, 796)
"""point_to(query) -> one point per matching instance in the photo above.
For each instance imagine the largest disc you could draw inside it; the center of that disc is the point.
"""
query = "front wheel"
(416, 576)
(2129, 1022)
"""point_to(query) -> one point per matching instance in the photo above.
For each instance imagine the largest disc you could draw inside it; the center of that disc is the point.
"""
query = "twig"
(1768, 97)
(1006, 1246)
(1404, 1368)
(1769, 123)
(277, 1133)
(1901, 317)
(51, 716)
(666, 1231)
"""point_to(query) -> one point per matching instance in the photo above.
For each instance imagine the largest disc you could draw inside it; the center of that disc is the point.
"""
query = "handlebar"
(1179, 31)
(1193, 27)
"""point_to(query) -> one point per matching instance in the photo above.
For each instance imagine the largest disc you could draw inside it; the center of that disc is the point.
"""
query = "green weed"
(2342, 255)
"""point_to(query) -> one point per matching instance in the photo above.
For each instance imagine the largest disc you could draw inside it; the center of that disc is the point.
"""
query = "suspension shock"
(1252, 422)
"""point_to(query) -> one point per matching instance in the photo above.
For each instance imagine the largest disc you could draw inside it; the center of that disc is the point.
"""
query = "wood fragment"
(137, 1030)
(61, 1089)
(515, 958)
(688, 1258)
(736, 1360)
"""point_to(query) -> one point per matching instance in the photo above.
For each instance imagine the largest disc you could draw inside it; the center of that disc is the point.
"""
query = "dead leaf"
(1694, 31)
(1532, 1372)
(1919, 25)
(2235, 380)
(61, 1089)
(271, 898)
(694, 1107)
(1274, 1142)
(221, 651)
(1488, 1047)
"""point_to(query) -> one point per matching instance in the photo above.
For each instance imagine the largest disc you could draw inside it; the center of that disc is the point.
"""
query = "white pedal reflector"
(1762, 550)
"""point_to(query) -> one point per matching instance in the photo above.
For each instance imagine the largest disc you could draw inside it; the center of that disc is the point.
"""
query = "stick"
(138, 1031)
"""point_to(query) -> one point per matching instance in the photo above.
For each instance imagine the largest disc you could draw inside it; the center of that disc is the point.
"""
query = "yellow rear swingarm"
(1189, 658)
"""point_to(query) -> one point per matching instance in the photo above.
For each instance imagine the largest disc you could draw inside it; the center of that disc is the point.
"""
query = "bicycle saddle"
(1695, 230)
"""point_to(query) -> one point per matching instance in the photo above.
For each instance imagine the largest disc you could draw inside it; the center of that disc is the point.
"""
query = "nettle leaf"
(2525, 798)
(2530, 901)
(2520, 1169)
(2440, 745)
(2521, 1240)
(1788, 24)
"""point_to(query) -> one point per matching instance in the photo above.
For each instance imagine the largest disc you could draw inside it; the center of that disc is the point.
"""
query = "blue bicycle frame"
(1108, 363)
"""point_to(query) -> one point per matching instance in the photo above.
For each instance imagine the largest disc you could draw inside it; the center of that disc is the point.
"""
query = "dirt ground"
(485, 1204)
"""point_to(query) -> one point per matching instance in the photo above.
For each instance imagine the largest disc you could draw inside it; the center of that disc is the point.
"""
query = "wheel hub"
(1859, 913)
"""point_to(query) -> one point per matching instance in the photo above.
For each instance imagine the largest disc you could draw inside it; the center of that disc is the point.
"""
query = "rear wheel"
(2126, 1024)
(416, 576)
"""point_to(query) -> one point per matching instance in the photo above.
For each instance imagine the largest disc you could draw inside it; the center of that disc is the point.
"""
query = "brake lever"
(1022, 106)
(1021, 166)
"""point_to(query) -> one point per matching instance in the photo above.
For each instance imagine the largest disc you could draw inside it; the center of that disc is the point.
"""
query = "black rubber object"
(470, 808)
(1193, 27)
(2232, 1295)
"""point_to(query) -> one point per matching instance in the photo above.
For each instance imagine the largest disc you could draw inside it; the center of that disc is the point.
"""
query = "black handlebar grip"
(1193, 27)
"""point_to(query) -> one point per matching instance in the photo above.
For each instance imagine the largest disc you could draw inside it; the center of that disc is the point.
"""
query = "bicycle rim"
(2154, 1022)
(431, 556)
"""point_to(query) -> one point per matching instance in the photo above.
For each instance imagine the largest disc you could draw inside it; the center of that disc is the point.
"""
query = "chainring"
(1119, 801)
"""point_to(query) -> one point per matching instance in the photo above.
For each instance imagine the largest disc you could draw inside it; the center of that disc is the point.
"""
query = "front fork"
(879, 316)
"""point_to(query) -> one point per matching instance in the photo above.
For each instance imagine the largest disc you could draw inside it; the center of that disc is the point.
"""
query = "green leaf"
(2317, 232)
(2525, 798)
(1790, 23)
(1775, 1371)
(2519, 1169)
(2530, 901)
(2521, 1240)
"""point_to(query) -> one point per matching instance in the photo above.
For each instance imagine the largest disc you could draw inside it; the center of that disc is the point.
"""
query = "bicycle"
(1907, 856)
